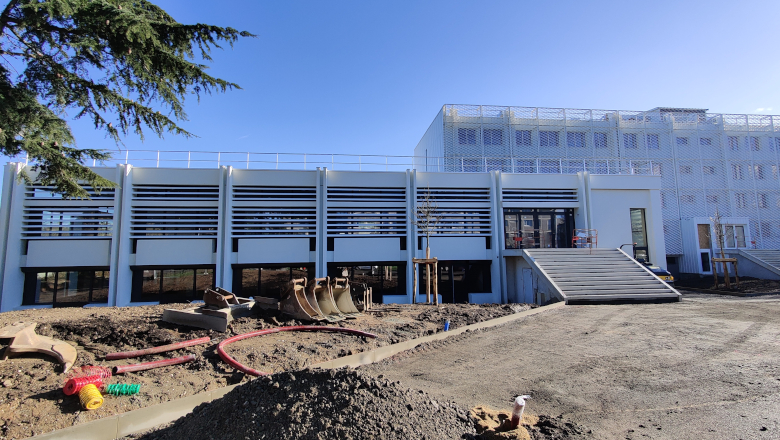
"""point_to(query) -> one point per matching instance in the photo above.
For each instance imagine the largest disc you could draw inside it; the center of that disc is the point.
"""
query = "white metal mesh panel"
(673, 237)
(524, 140)
(761, 147)
(719, 200)
(770, 234)
(689, 174)
(735, 122)
(686, 143)
(765, 175)
(755, 235)
(691, 203)
(710, 145)
(714, 174)
(740, 174)
(669, 204)
(551, 116)
(744, 203)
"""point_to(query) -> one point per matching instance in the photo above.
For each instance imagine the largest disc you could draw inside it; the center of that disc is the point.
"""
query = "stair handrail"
(648, 271)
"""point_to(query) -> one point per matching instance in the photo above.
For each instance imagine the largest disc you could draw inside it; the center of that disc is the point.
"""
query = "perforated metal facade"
(705, 160)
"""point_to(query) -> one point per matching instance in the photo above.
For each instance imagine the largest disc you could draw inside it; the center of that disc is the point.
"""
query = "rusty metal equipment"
(320, 297)
(362, 294)
(26, 341)
(339, 288)
(295, 304)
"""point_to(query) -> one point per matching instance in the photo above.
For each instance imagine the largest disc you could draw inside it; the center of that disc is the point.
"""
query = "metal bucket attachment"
(340, 289)
(363, 294)
(295, 304)
(318, 292)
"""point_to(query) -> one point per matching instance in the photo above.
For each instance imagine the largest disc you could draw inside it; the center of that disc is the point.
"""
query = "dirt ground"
(707, 367)
(32, 402)
(747, 285)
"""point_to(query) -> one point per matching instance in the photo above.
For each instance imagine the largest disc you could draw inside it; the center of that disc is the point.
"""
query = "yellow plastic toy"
(90, 397)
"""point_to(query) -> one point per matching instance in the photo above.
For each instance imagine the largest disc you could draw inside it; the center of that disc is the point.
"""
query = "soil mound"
(314, 404)
(461, 315)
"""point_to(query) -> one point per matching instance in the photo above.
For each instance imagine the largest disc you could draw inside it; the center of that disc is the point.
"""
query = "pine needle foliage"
(126, 65)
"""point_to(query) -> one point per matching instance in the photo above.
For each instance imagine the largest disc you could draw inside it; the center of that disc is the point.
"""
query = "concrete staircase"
(769, 259)
(584, 275)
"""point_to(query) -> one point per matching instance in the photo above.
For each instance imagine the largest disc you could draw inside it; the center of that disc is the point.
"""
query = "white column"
(122, 273)
(411, 241)
(13, 278)
(113, 280)
(500, 234)
(321, 264)
(495, 266)
(223, 274)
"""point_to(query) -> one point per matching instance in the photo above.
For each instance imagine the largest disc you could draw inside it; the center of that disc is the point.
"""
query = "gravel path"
(706, 367)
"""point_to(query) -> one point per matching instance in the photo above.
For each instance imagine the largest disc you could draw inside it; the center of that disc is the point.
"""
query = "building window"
(493, 136)
(657, 169)
(682, 141)
(776, 145)
(708, 169)
(755, 143)
(761, 201)
(774, 172)
(705, 142)
(734, 236)
(575, 139)
(467, 136)
(600, 140)
(171, 284)
(63, 287)
(523, 138)
(686, 169)
(652, 142)
(740, 200)
(382, 278)
(687, 199)
(734, 143)
(758, 172)
(629, 140)
(270, 281)
(736, 172)
(712, 198)
(548, 138)
(526, 166)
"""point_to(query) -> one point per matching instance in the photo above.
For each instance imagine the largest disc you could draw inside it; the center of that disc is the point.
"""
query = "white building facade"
(165, 234)
(706, 162)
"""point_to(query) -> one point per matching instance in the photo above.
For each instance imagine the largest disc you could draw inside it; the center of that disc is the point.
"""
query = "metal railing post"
(189, 157)
(385, 163)
(304, 161)
(158, 159)
(247, 160)
(127, 154)
(277, 161)
(219, 158)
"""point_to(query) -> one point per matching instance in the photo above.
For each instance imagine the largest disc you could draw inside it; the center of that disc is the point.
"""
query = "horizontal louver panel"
(37, 192)
(68, 222)
(259, 193)
(175, 192)
(180, 222)
(277, 222)
(366, 211)
(540, 195)
(459, 211)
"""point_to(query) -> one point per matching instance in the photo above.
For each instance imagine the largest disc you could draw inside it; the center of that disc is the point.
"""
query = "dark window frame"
(30, 284)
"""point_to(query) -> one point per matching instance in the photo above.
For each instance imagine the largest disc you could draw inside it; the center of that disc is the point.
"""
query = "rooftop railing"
(368, 162)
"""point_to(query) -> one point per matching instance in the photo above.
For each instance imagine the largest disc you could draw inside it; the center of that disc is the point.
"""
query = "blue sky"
(368, 77)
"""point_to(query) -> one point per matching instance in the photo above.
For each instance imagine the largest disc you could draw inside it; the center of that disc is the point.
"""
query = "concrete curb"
(726, 293)
(120, 425)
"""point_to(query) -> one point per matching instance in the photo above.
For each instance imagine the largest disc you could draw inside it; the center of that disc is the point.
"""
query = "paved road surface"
(704, 368)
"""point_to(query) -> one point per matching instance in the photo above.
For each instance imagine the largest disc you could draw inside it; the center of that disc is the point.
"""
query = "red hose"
(299, 328)
(155, 364)
(154, 350)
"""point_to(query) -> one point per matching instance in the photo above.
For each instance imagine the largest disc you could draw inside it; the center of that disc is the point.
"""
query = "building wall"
(171, 224)
(706, 161)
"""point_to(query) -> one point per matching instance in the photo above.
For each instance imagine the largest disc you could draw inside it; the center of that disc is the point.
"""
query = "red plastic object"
(296, 328)
(75, 384)
(90, 370)
(155, 364)
(154, 350)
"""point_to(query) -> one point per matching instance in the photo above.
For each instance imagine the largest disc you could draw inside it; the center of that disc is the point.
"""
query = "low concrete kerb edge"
(142, 419)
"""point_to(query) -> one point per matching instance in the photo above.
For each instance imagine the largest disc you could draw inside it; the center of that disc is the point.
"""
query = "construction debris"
(154, 364)
(319, 300)
(155, 350)
(220, 308)
(26, 341)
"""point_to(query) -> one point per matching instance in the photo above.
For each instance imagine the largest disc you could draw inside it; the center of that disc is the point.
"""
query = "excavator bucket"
(295, 304)
(363, 294)
(25, 340)
(340, 289)
(318, 293)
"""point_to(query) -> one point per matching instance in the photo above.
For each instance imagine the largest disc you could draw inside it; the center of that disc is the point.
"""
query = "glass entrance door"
(639, 234)
(538, 228)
